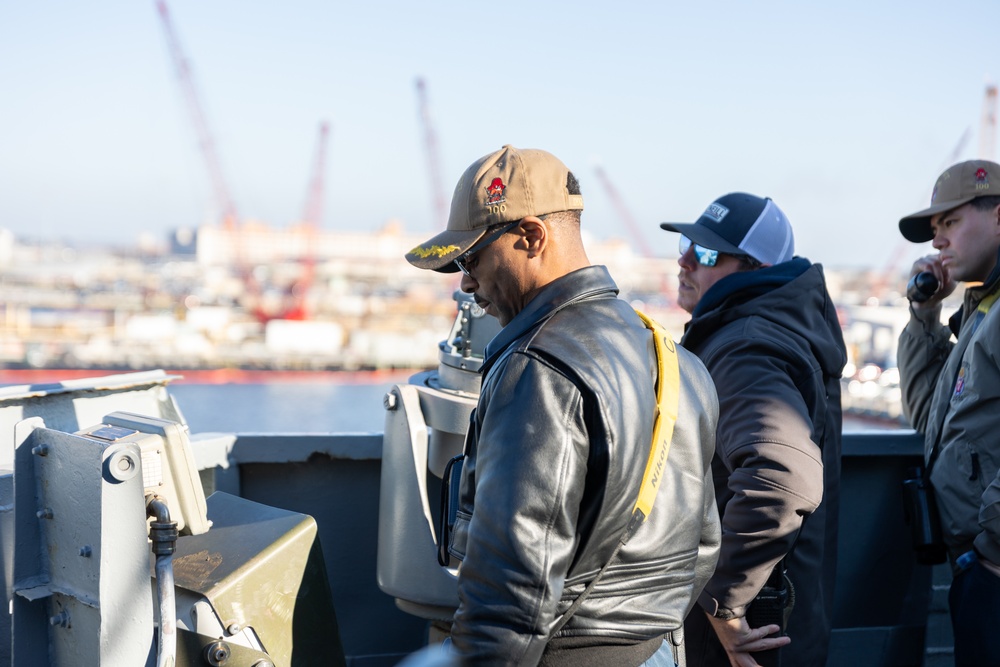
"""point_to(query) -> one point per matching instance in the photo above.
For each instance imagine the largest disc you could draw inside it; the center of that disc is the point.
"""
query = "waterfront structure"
(300, 299)
(256, 297)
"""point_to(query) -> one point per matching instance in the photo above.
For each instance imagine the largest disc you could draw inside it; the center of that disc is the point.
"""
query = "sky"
(843, 112)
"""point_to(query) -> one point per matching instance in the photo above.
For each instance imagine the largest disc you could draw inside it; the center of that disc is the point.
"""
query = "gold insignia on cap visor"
(435, 250)
(503, 187)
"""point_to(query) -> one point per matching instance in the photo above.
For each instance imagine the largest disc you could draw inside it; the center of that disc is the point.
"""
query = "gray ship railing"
(888, 609)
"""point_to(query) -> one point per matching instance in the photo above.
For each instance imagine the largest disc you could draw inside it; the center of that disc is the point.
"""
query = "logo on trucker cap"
(716, 211)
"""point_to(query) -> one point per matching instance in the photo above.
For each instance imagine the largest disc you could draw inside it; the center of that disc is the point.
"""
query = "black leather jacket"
(555, 457)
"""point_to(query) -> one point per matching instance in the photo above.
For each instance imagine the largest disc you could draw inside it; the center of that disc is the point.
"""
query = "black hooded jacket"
(772, 342)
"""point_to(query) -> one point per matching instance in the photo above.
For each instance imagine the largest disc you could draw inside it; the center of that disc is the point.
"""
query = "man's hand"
(740, 640)
(932, 264)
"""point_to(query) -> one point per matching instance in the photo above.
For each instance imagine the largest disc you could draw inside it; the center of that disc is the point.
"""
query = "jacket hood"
(792, 294)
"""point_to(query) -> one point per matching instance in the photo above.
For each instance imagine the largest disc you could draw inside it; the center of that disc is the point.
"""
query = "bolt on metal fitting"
(122, 466)
(217, 653)
(61, 619)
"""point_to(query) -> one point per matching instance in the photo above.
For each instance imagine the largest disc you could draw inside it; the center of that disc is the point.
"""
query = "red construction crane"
(223, 199)
(637, 236)
(433, 163)
(312, 212)
(297, 307)
(988, 124)
(666, 289)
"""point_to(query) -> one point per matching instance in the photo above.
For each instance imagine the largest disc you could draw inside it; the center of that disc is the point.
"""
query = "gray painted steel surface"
(81, 554)
(882, 602)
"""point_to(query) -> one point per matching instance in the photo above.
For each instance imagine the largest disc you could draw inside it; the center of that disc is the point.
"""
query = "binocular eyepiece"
(922, 286)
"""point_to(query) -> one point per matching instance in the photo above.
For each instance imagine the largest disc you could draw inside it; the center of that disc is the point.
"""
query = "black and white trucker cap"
(742, 224)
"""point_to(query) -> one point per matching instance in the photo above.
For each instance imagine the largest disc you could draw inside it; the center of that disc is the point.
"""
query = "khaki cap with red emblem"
(505, 186)
(958, 185)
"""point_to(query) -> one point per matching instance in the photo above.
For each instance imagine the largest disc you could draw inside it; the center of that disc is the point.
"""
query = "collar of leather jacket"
(564, 291)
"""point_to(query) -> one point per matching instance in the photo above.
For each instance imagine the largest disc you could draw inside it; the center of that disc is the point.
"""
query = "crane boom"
(433, 163)
(637, 236)
(988, 125)
(297, 307)
(205, 142)
(312, 212)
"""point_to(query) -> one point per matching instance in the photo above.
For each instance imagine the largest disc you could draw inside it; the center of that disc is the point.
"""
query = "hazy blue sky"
(844, 112)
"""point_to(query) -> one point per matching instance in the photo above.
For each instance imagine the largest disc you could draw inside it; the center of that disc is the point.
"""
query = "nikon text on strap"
(668, 394)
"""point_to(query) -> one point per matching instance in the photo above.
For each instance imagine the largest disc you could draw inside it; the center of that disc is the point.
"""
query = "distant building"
(184, 242)
(256, 243)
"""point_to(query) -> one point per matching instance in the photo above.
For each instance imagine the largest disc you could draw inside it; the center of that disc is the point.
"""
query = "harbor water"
(232, 401)
(330, 403)
(327, 403)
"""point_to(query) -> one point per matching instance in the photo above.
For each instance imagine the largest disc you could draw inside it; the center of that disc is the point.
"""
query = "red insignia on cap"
(982, 179)
(494, 192)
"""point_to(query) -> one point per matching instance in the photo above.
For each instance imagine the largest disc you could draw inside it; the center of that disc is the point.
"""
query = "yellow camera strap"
(668, 396)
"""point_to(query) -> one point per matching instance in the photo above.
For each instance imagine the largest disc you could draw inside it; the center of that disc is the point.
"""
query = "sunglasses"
(462, 261)
(705, 256)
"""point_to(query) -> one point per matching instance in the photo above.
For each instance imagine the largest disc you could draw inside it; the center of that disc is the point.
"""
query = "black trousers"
(974, 600)
(703, 649)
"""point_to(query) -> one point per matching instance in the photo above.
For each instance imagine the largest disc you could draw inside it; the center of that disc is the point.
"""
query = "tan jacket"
(951, 393)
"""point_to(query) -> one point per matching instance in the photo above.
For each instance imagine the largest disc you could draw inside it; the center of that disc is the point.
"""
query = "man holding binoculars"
(951, 390)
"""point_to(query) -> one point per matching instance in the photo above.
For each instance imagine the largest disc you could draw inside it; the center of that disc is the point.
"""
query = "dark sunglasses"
(462, 261)
(705, 256)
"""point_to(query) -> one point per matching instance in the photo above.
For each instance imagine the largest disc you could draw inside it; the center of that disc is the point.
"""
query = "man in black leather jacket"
(560, 439)
(763, 322)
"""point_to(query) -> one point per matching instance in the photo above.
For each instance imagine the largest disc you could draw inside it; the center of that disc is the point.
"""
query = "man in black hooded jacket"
(764, 325)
